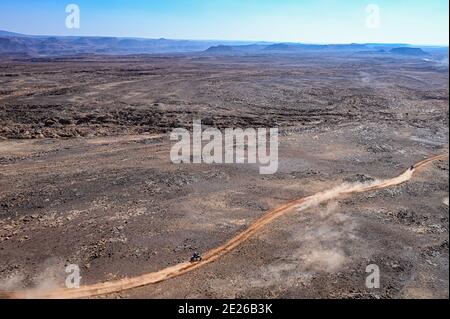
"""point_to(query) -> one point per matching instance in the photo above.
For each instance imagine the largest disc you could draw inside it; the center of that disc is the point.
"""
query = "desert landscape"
(86, 176)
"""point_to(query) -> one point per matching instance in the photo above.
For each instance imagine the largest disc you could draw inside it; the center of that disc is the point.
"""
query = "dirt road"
(211, 256)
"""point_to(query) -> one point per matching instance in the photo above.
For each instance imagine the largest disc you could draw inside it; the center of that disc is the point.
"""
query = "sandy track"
(180, 269)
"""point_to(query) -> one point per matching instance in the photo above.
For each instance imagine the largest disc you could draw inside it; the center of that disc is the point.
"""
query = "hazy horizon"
(231, 42)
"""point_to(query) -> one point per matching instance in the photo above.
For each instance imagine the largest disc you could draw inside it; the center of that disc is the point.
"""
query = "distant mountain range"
(397, 49)
(19, 44)
(409, 51)
(15, 43)
(9, 34)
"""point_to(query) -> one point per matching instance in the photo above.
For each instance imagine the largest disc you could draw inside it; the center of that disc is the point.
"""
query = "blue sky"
(310, 21)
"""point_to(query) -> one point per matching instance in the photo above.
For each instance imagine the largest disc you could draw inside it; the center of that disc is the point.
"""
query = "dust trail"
(180, 269)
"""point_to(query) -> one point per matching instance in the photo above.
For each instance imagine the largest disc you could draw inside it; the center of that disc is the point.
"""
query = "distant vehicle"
(196, 257)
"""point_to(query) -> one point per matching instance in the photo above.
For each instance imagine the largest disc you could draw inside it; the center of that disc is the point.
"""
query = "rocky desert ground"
(86, 177)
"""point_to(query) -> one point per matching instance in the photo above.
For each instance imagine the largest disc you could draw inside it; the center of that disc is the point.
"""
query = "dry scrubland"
(86, 178)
